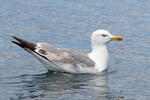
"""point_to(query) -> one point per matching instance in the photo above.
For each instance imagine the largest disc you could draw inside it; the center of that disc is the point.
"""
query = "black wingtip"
(14, 36)
(17, 43)
(24, 44)
(18, 39)
(27, 46)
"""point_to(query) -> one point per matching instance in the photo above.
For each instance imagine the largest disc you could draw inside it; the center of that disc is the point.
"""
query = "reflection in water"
(65, 86)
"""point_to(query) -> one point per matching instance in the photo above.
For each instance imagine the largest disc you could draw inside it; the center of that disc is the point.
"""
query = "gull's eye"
(104, 35)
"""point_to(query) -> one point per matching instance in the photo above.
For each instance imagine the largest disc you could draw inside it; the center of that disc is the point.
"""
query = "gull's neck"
(99, 55)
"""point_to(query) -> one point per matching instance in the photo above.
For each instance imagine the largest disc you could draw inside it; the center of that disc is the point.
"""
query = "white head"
(102, 37)
(99, 54)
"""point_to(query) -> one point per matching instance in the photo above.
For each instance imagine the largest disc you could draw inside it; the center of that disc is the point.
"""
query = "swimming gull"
(69, 60)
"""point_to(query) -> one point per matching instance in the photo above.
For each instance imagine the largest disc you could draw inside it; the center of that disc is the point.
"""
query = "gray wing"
(63, 57)
(55, 56)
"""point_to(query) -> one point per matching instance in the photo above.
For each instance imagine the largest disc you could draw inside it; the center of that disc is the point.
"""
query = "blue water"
(69, 24)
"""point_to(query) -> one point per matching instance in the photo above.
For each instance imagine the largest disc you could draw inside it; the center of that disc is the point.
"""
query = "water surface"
(68, 24)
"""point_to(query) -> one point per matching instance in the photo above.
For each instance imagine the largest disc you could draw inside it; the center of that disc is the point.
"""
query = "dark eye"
(104, 35)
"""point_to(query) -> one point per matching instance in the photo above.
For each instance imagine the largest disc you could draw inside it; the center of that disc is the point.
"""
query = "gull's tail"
(24, 44)
(31, 48)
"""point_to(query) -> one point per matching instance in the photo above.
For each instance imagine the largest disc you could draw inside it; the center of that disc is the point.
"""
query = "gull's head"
(102, 37)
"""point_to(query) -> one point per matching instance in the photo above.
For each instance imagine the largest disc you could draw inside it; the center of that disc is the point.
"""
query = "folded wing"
(64, 59)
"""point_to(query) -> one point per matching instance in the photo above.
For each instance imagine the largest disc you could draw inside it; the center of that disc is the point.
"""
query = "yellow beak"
(117, 38)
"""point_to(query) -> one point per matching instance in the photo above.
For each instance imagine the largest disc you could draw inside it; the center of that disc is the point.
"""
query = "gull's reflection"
(65, 86)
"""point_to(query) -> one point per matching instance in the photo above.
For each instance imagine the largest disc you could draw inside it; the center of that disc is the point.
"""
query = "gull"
(69, 60)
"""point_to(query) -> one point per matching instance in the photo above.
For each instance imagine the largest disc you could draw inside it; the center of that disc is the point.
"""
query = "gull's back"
(65, 58)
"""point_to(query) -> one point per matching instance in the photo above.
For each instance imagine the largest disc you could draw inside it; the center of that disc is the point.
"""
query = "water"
(69, 23)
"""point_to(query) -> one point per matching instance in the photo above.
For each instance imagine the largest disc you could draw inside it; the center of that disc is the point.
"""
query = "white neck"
(99, 55)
